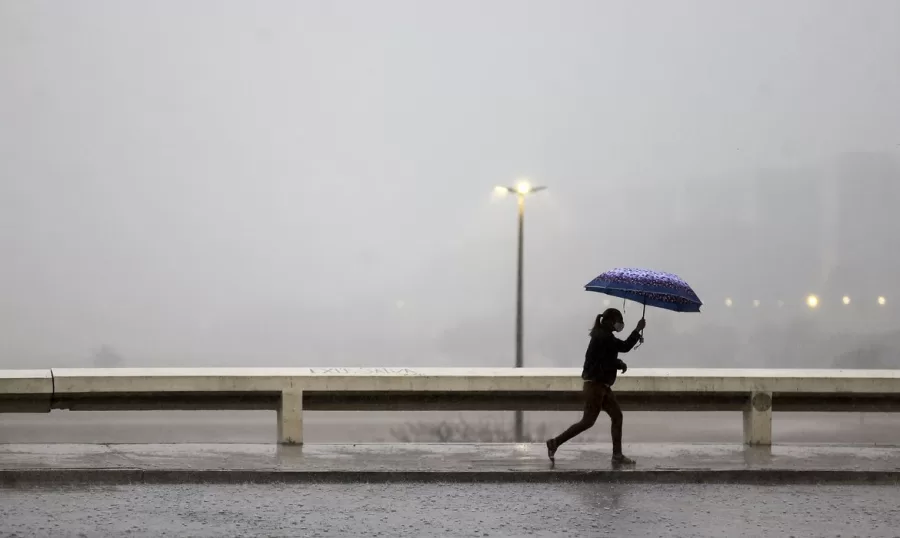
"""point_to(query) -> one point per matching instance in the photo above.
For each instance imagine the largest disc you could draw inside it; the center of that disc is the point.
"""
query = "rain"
(315, 184)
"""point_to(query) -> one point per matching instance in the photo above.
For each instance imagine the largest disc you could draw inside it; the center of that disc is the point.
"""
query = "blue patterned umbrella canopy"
(650, 288)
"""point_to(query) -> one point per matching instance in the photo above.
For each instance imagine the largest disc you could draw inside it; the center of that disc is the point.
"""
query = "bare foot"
(621, 459)
(551, 450)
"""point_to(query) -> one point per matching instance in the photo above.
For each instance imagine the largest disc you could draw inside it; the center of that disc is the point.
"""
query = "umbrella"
(654, 288)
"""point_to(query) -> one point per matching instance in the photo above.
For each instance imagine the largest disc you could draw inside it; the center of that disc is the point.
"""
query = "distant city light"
(501, 191)
(882, 301)
(846, 299)
(756, 302)
(728, 302)
(812, 301)
(780, 303)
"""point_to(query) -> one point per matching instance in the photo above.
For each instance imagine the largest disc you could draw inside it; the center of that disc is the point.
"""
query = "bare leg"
(611, 406)
(593, 402)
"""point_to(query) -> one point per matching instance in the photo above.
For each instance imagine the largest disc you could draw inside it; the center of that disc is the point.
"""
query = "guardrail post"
(290, 418)
(758, 419)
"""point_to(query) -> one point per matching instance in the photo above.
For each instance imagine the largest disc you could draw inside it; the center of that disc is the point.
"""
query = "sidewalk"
(22, 464)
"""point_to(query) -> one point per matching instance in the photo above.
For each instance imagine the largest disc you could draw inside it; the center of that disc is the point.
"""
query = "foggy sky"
(298, 183)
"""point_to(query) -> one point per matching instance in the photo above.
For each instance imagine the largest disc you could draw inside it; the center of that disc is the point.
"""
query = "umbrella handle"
(643, 314)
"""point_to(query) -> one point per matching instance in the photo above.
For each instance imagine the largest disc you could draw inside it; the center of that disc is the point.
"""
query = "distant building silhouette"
(106, 357)
(789, 233)
(866, 242)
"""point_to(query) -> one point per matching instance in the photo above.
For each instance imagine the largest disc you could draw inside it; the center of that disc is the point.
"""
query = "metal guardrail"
(289, 391)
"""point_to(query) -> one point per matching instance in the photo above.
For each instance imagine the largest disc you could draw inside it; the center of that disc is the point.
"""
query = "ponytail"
(609, 317)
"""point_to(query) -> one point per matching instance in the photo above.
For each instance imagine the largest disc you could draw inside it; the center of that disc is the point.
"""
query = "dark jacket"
(601, 361)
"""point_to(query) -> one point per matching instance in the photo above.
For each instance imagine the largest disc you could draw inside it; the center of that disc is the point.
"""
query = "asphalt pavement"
(480, 510)
(457, 462)
(220, 446)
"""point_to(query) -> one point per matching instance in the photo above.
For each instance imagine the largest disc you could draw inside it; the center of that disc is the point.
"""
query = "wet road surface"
(443, 458)
(451, 510)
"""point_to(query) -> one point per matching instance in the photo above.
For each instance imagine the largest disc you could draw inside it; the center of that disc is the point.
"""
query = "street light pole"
(519, 281)
(521, 190)
(520, 419)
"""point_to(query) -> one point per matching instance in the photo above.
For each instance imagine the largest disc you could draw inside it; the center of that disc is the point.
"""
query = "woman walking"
(601, 363)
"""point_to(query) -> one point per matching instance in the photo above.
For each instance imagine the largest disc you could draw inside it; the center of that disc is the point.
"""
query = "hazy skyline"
(232, 182)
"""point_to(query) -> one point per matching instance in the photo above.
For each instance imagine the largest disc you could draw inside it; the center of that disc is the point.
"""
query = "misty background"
(283, 183)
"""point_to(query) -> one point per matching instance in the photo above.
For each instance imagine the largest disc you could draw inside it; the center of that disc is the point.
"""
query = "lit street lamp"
(521, 190)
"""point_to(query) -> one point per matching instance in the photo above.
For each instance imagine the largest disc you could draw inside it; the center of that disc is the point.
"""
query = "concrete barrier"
(26, 391)
(289, 391)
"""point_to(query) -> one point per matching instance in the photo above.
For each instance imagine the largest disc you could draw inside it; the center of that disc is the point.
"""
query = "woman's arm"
(624, 346)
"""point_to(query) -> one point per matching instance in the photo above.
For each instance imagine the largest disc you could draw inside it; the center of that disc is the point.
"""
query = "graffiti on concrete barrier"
(363, 371)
